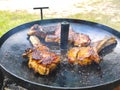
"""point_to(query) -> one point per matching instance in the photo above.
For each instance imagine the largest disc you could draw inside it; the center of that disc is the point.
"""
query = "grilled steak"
(53, 35)
(78, 39)
(41, 60)
(86, 55)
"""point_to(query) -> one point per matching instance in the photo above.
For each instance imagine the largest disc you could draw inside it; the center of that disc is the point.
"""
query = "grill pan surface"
(15, 41)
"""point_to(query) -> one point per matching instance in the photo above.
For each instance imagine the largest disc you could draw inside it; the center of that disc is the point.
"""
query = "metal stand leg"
(41, 11)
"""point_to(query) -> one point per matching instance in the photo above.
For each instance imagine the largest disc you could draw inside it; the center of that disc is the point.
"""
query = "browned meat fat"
(41, 59)
(87, 55)
(78, 39)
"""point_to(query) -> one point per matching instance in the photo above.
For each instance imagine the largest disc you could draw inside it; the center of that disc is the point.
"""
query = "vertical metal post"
(41, 11)
(41, 14)
(64, 35)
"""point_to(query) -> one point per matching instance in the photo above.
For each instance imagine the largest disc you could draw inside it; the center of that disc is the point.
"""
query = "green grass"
(9, 20)
(108, 20)
(102, 11)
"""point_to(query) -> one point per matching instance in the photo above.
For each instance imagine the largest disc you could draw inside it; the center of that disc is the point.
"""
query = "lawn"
(113, 22)
(9, 20)
(106, 12)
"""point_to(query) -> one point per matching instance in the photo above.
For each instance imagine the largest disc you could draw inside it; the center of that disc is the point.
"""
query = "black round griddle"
(15, 41)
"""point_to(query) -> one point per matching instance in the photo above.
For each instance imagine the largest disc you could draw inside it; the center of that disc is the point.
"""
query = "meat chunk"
(53, 35)
(37, 30)
(87, 55)
(78, 39)
(40, 31)
(36, 43)
(72, 54)
(41, 59)
(83, 55)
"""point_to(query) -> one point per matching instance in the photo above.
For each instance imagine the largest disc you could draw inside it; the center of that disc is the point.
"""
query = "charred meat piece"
(40, 31)
(72, 54)
(78, 39)
(52, 38)
(36, 43)
(52, 34)
(41, 59)
(83, 55)
(56, 36)
(87, 55)
(37, 30)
